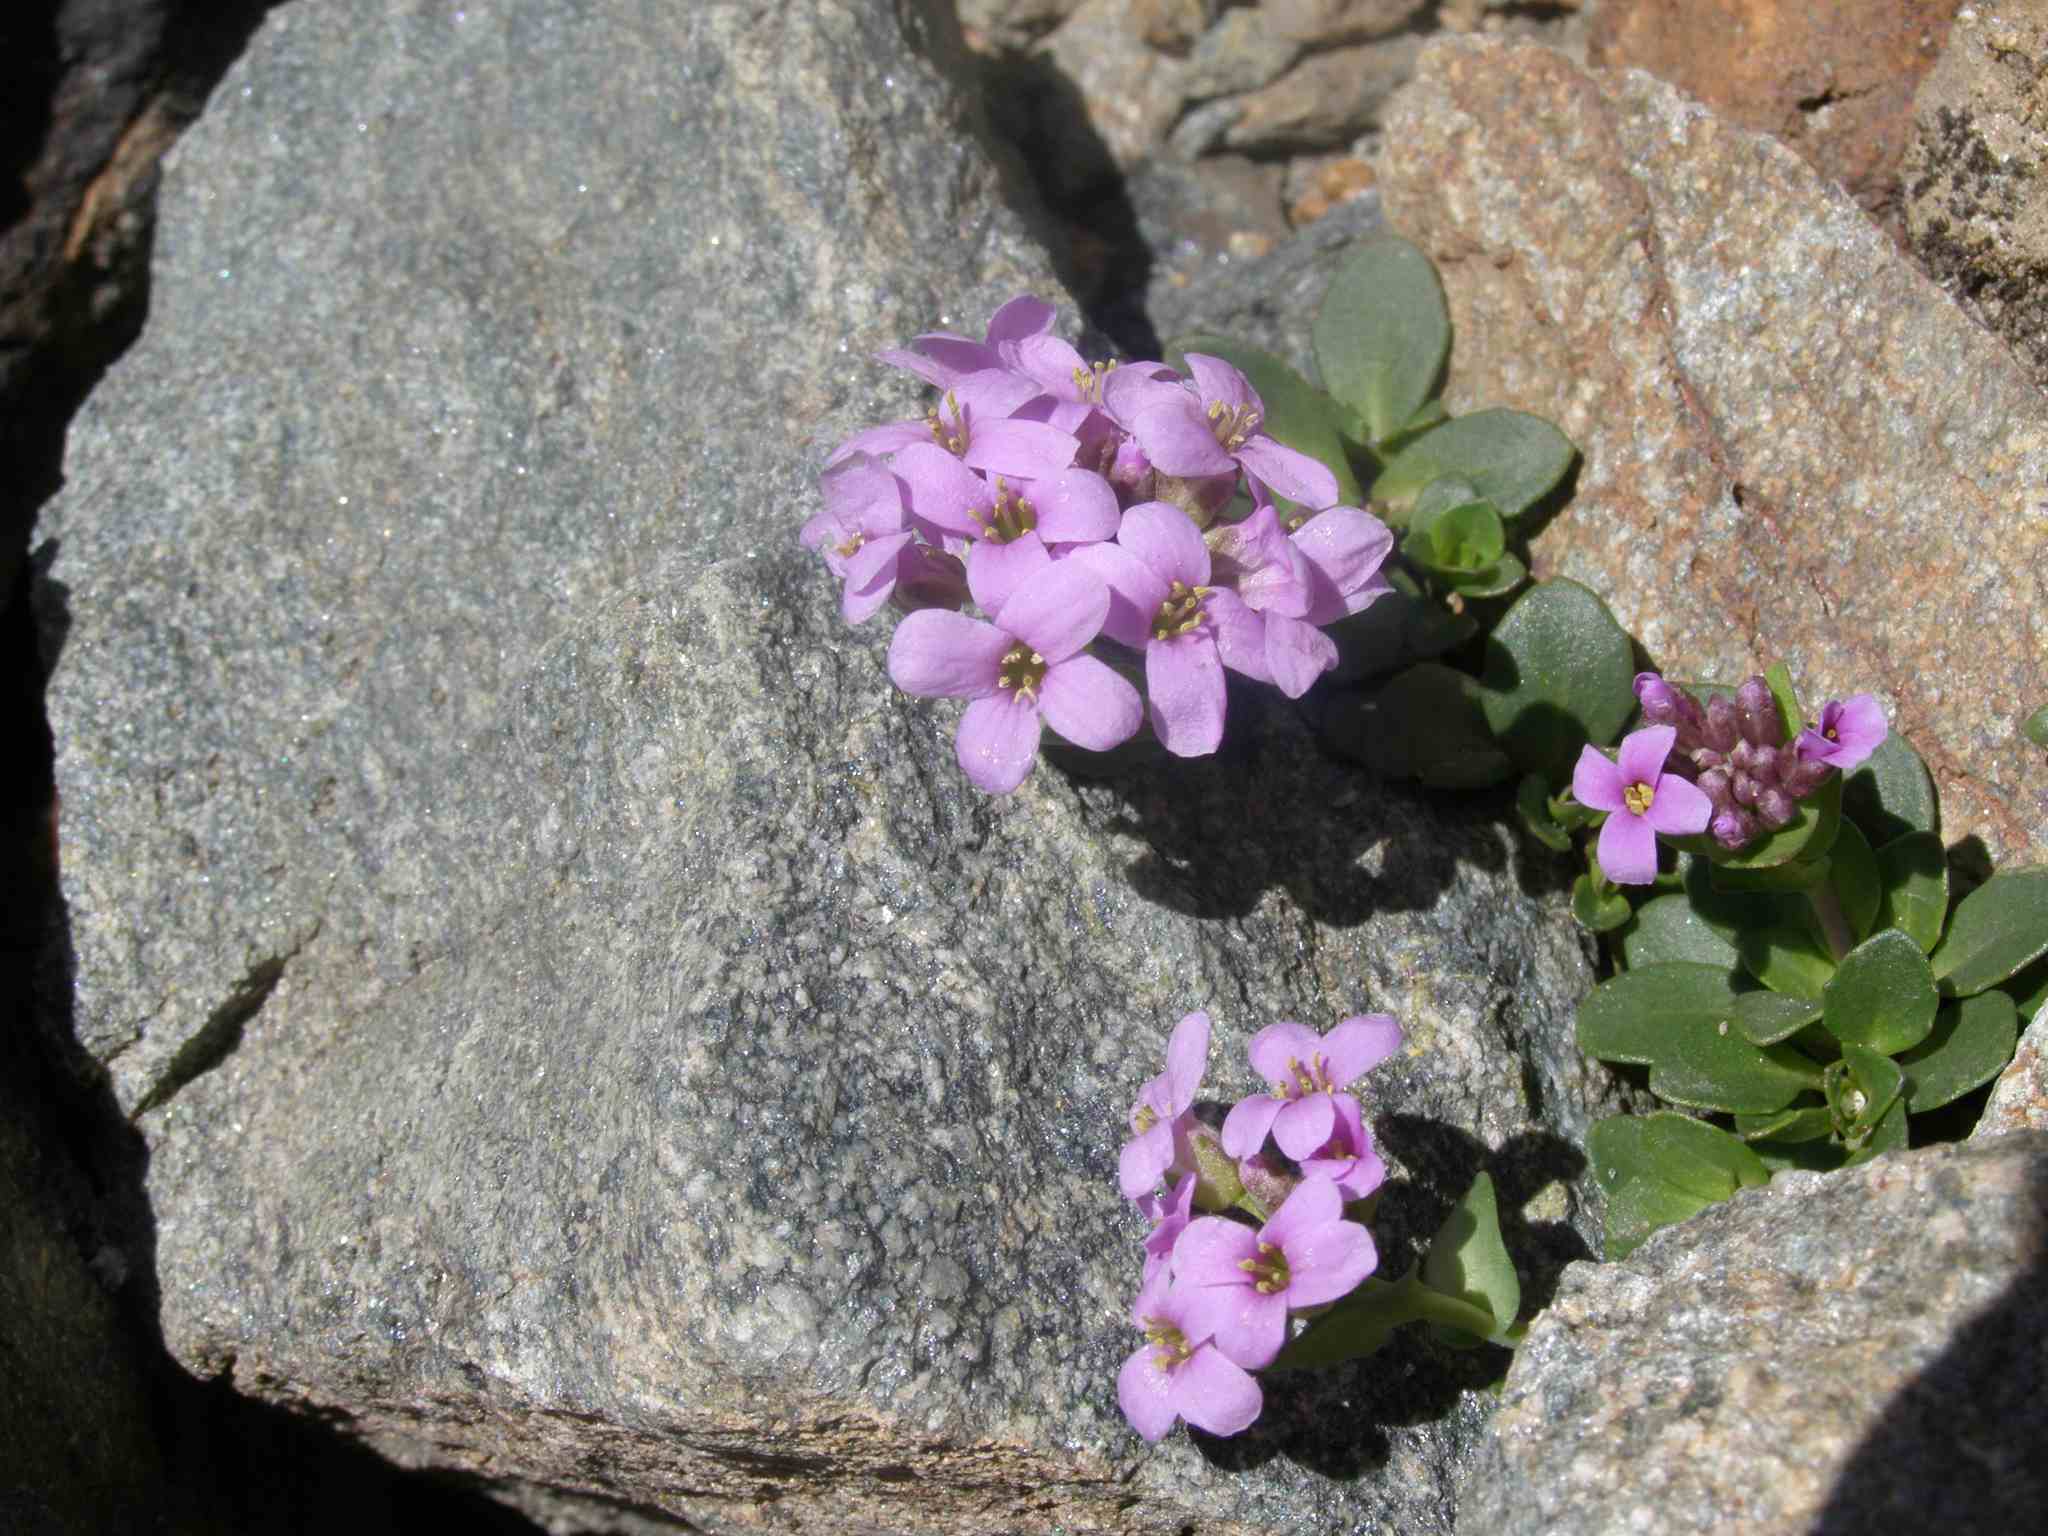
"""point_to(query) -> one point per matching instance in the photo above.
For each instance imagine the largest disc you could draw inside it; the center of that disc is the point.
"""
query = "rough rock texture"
(1833, 79)
(1795, 446)
(2019, 1099)
(463, 319)
(760, 1144)
(1855, 1351)
(587, 1033)
(1976, 172)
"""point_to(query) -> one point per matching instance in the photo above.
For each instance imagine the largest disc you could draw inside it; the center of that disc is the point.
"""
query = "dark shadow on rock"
(204, 1457)
(1963, 1445)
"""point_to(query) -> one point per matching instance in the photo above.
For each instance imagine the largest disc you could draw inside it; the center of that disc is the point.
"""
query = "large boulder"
(1795, 446)
(462, 320)
(1838, 1352)
(587, 1033)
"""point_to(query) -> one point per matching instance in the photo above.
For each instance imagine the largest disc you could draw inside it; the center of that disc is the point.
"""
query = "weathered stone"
(1795, 446)
(759, 1140)
(2019, 1099)
(1126, 94)
(1835, 81)
(1240, 53)
(1329, 23)
(1843, 1352)
(1010, 24)
(1326, 100)
(1976, 173)
(430, 370)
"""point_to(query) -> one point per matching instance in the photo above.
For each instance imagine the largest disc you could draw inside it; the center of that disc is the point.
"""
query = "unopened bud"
(1733, 828)
(1774, 807)
(1723, 728)
(1268, 1179)
(1757, 709)
(1217, 1186)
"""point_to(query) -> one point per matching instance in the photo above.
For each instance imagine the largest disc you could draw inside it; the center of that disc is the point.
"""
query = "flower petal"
(1628, 849)
(1166, 539)
(1187, 1053)
(1028, 450)
(1076, 506)
(1184, 694)
(997, 741)
(1642, 754)
(995, 571)
(1090, 704)
(1144, 1159)
(936, 654)
(1135, 591)
(1276, 1049)
(1240, 635)
(1176, 437)
(1289, 471)
(1057, 610)
(1245, 1127)
(871, 576)
(1025, 315)
(1297, 654)
(1678, 808)
(1310, 1206)
(1252, 1328)
(1358, 1044)
(942, 491)
(1221, 383)
(1327, 1261)
(1346, 544)
(1303, 1126)
(1145, 1392)
(1215, 1395)
(1596, 782)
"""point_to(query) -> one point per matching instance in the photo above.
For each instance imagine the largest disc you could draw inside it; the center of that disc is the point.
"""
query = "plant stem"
(1834, 927)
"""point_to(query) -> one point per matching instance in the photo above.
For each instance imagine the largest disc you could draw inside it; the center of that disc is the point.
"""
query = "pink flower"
(1026, 664)
(1849, 731)
(944, 359)
(1161, 1118)
(1641, 800)
(1347, 1159)
(1177, 1373)
(1214, 429)
(1306, 1070)
(1241, 1285)
(1169, 1215)
(864, 533)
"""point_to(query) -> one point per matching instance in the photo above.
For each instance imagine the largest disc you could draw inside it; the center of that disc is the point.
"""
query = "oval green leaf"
(1512, 458)
(1882, 996)
(1971, 1043)
(1532, 804)
(1996, 930)
(1891, 794)
(1912, 873)
(1765, 1018)
(1853, 872)
(1663, 1168)
(1426, 724)
(1596, 909)
(1667, 928)
(1383, 334)
(1786, 959)
(1559, 673)
(1468, 1258)
(1674, 1019)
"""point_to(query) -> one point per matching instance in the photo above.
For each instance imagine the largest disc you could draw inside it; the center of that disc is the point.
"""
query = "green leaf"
(1496, 580)
(1559, 674)
(1877, 1080)
(1795, 878)
(1818, 1155)
(1532, 803)
(1468, 537)
(1382, 334)
(1597, 906)
(1795, 1124)
(1469, 1259)
(1788, 960)
(1912, 873)
(1779, 678)
(1889, 1135)
(1662, 1168)
(1673, 1017)
(2029, 989)
(1996, 930)
(1358, 1325)
(1891, 794)
(1297, 413)
(1971, 1043)
(2035, 727)
(1858, 885)
(1728, 913)
(1765, 1018)
(1667, 928)
(1426, 724)
(1400, 628)
(1513, 459)
(1882, 995)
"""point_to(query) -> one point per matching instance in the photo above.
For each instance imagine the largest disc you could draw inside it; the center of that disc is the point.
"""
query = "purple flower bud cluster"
(1073, 502)
(1735, 750)
(1219, 1294)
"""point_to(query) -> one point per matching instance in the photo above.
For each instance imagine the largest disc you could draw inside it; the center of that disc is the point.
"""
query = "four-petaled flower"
(1849, 731)
(1641, 800)
(1242, 1284)
(1028, 664)
(1307, 1070)
(1179, 1373)
(1161, 1118)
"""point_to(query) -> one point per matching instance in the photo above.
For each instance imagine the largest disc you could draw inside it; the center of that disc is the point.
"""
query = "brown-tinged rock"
(1795, 446)
(1976, 202)
(1832, 78)
(2019, 1098)
(1326, 100)
(1327, 23)
(1127, 93)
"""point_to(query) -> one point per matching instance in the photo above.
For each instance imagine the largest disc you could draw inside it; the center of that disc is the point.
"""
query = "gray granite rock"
(752, 1158)
(1975, 196)
(2019, 1097)
(1846, 1352)
(462, 320)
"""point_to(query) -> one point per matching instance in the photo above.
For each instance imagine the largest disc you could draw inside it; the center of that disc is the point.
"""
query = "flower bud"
(1268, 1178)
(1717, 785)
(1665, 704)
(1744, 788)
(1723, 728)
(1774, 807)
(1733, 828)
(1217, 1185)
(936, 580)
(1757, 708)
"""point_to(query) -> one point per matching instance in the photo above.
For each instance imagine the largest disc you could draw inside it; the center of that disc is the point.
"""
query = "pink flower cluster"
(1072, 503)
(1218, 1293)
